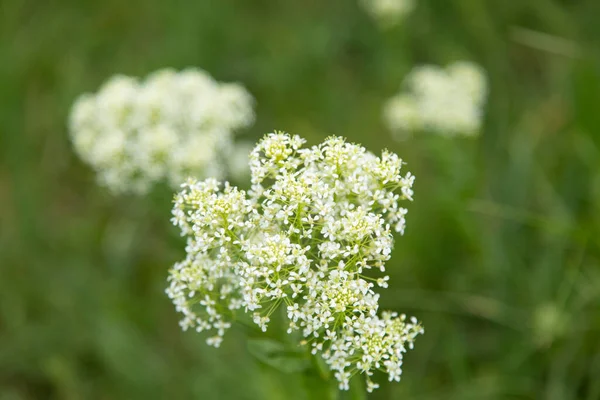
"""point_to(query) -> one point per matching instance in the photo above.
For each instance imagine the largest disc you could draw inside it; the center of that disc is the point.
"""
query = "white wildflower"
(446, 101)
(310, 240)
(388, 12)
(167, 127)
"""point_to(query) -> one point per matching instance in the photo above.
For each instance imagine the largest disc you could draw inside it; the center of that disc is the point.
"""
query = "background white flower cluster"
(165, 128)
(448, 101)
(311, 240)
(388, 12)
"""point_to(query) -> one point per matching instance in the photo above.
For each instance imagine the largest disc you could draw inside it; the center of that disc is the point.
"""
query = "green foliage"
(500, 260)
(276, 355)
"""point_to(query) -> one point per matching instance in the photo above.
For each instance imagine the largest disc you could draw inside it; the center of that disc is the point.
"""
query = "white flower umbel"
(388, 12)
(167, 127)
(446, 101)
(312, 236)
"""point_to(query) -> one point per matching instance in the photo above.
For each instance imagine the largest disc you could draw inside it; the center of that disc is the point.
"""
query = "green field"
(501, 255)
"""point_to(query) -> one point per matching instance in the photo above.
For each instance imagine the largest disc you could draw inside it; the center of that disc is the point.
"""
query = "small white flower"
(447, 101)
(371, 385)
(214, 341)
(170, 126)
(388, 12)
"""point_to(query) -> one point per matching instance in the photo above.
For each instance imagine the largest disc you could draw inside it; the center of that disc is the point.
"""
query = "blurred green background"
(501, 256)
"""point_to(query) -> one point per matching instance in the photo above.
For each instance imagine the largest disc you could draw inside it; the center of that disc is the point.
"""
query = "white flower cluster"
(388, 12)
(304, 240)
(446, 101)
(170, 126)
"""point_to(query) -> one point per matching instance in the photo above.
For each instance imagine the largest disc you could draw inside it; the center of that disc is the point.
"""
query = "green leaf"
(275, 354)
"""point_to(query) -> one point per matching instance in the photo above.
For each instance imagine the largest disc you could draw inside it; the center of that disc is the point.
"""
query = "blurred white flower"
(165, 128)
(306, 238)
(446, 101)
(388, 12)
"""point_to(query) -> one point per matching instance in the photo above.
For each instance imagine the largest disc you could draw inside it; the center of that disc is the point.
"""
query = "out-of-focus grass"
(500, 259)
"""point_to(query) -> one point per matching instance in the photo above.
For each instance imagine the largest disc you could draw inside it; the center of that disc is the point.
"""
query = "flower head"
(311, 238)
(165, 128)
(388, 12)
(446, 101)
